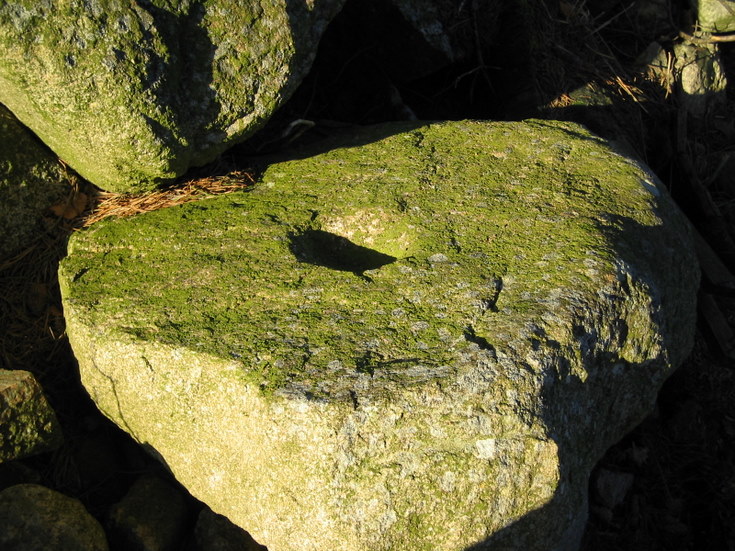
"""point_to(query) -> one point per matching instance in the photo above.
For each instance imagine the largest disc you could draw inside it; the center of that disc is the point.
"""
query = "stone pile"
(409, 336)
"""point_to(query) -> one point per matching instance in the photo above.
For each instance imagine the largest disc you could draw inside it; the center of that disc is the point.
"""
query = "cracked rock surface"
(413, 336)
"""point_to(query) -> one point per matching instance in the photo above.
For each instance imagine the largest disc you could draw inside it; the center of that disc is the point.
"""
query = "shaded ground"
(680, 494)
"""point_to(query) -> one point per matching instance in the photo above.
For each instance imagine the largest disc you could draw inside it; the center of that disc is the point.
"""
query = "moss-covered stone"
(28, 425)
(715, 16)
(35, 518)
(421, 336)
(130, 94)
(701, 82)
(31, 180)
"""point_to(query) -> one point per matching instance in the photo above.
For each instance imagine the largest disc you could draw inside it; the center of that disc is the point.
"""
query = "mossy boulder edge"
(418, 336)
(131, 94)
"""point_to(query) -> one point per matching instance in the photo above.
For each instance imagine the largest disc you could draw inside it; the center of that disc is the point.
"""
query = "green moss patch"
(388, 258)
(411, 337)
(131, 94)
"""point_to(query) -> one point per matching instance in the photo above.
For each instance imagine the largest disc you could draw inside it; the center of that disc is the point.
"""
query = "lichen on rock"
(414, 336)
(28, 424)
(715, 16)
(131, 94)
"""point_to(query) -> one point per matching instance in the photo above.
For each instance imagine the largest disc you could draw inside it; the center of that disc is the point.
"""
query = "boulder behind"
(132, 93)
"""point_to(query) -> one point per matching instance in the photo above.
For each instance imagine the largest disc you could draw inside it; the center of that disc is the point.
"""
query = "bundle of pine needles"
(124, 205)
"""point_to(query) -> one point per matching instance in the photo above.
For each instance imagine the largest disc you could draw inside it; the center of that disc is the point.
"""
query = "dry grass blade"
(632, 91)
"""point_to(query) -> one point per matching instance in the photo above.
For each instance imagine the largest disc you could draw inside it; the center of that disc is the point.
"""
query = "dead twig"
(708, 38)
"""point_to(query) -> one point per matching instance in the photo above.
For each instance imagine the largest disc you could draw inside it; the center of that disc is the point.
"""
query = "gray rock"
(28, 424)
(131, 94)
(715, 16)
(601, 110)
(31, 180)
(700, 77)
(99, 462)
(151, 516)
(35, 518)
(421, 336)
(215, 532)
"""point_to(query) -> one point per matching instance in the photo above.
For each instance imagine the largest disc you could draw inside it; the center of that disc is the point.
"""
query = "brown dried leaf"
(58, 209)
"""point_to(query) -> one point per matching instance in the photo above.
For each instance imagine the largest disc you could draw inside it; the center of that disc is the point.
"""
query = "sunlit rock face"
(132, 93)
(413, 336)
(714, 16)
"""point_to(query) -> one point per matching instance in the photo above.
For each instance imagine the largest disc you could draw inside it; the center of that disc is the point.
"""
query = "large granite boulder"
(423, 337)
(31, 181)
(131, 94)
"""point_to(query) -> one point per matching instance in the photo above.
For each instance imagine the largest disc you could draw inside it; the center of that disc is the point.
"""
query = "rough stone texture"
(151, 516)
(598, 109)
(28, 425)
(700, 77)
(422, 338)
(716, 16)
(35, 518)
(31, 180)
(130, 94)
(215, 532)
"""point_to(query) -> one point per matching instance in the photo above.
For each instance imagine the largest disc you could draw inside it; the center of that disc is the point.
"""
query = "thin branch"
(708, 38)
